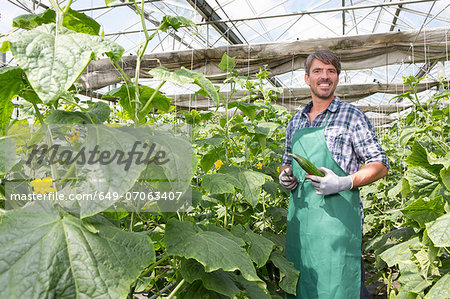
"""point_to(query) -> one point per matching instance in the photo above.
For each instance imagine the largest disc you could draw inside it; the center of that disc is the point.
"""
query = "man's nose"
(324, 74)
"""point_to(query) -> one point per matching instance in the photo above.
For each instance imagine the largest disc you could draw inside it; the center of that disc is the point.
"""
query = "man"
(324, 219)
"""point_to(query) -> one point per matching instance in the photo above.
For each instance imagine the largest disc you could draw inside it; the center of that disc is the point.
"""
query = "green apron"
(323, 237)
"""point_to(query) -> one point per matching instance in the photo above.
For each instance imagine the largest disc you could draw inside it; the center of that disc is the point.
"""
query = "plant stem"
(131, 222)
(153, 266)
(176, 289)
(79, 106)
(226, 213)
(140, 54)
(60, 13)
(435, 143)
(153, 95)
(38, 114)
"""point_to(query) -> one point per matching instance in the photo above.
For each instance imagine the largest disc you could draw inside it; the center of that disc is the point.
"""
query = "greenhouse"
(224, 149)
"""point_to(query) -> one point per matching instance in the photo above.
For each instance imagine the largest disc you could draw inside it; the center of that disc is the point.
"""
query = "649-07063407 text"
(131, 195)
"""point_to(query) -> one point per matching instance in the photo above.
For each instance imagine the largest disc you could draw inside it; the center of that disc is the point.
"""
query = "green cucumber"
(306, 165)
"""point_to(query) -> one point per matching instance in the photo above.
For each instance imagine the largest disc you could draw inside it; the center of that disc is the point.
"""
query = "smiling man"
(324, 219)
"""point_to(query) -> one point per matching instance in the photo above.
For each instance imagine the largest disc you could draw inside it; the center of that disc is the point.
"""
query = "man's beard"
(323, 96)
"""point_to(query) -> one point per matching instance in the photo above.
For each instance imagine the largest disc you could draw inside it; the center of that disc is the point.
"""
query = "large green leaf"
(124, 151)
(439, 231)
(80, 22)
(213, 141)
(175, 22)
(288, 274)
(11, 83)
(440, 289)
(219, 281)
(399, 253)
(419, 157)
(213, 250)
(210, 158)
(250, 182)
(445, 176)
(55, 255)
(227, 63)
(259, 248)
(218, 183)
(247, 108)
(184, 76)
(7, 156)
(423, 210)
(410, 279)
(181, 76)
(278, 239)
(227, 234)
(29, 95)
(197, 290)
(98, 114)
(406, 134)
(53, 61)
(266, 128)
(400, 234)
(30, 21)
(127, 96)
(253, 289)
(423, 182)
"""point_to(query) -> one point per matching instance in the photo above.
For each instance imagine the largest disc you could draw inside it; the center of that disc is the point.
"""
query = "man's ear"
(306, 78)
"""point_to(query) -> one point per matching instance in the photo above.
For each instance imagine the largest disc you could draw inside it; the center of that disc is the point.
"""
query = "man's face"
(322, 79)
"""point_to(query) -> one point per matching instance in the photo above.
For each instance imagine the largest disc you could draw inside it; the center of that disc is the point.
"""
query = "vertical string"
(248, 60)
(291, 96)
(446, 56)
(425, 55)
(190, 94)
(445, 63)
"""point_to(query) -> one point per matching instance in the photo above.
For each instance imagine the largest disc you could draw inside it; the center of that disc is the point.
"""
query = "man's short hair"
(326, 56)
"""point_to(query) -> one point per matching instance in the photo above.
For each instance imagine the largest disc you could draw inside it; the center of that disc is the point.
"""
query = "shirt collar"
(333, 107)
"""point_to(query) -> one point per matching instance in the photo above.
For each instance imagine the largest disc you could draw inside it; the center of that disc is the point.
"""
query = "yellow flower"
(230, 150)
(278, 169)
(218, 164)
(275, 159)
(74, 137)
(259, 165)
(42, 186)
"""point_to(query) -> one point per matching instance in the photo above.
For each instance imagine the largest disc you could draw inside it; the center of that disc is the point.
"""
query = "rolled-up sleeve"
(366, 144)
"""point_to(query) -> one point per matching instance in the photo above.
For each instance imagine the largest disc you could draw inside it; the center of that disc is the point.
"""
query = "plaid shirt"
(348, 133)
(349, 136)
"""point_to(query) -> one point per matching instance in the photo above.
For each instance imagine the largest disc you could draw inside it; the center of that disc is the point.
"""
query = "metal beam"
(421, 13)
(425, 69)
(114, 5)
(208, 13)
(327, 10)
(394, 21)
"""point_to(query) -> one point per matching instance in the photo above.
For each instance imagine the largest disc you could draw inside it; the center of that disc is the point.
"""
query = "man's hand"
(330, 183)
(287, 179)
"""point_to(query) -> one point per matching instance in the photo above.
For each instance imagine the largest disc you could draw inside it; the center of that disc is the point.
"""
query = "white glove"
(330, 183)
(287, 179)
